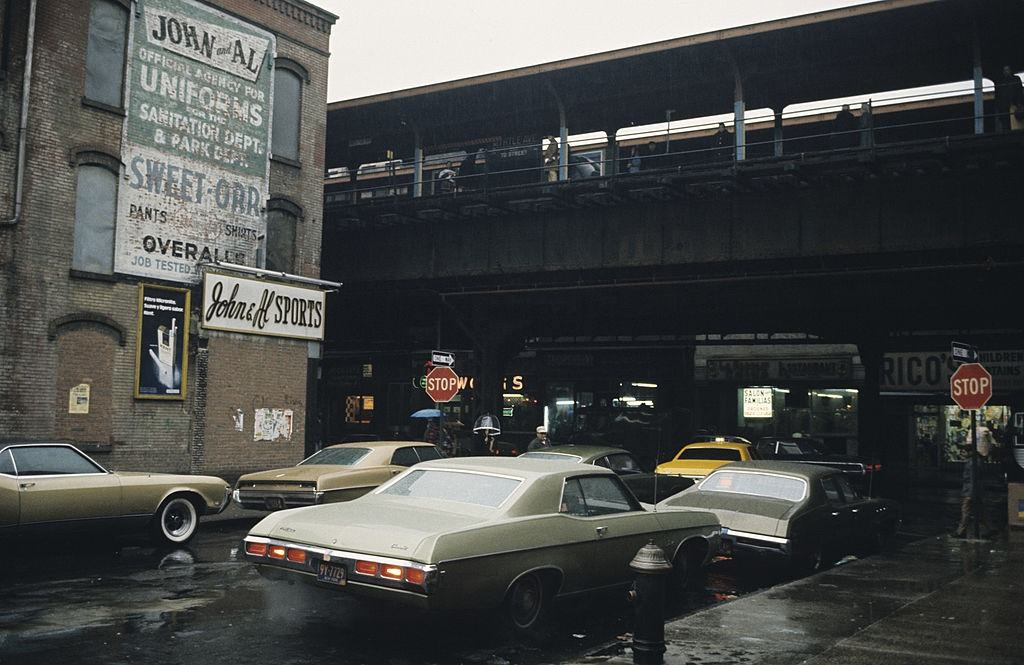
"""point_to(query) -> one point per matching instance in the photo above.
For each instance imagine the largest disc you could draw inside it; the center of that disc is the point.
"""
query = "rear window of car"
(767, 485)
(557, 457)
(474, 488)
(337, 456)
(730, 454)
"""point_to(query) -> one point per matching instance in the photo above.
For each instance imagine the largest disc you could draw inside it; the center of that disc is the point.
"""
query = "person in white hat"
(541, 440)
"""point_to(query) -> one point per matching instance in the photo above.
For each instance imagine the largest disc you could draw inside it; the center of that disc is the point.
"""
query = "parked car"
(697, 460)
(337, 473)
(648, 487)
(812, 451)
(54, 488)
(808, 515)
(480, 532)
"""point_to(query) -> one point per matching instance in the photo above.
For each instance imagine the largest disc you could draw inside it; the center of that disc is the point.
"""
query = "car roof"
(717, 444)
(523, 467)
(379, 444)
(581, 450)
(796, 469)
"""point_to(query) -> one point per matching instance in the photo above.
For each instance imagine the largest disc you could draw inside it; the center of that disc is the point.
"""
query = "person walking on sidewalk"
(967, 497)
(541, 440)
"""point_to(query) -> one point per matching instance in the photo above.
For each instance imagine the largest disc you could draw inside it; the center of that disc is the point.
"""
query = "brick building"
(162, 139)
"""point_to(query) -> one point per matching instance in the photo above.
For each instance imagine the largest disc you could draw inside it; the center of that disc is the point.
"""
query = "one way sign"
(445, 358)
(964, 353)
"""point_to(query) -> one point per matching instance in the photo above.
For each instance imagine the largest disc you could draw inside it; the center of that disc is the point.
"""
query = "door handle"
(26, 485)
(601, 530)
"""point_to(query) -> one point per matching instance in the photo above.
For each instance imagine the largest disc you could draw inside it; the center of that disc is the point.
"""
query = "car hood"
(369, 526)
(738, 512)
(293, 473)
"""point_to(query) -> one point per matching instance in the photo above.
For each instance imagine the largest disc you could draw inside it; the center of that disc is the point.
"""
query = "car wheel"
(176, 521)
(686, 571)
(527, 600)
(813, 560)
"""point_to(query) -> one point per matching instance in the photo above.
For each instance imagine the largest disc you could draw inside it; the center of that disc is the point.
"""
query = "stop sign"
(970, 386)
(442, 384)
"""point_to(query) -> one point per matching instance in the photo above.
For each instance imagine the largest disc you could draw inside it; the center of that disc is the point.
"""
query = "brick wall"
(38, 365)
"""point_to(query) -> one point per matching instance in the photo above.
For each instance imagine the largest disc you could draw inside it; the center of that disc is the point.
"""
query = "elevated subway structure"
(791, 259)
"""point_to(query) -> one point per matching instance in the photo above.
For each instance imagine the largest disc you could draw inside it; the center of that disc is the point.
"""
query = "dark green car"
(808, 515)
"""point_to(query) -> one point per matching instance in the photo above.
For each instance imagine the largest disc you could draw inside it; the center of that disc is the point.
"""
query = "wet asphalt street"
(134, 603)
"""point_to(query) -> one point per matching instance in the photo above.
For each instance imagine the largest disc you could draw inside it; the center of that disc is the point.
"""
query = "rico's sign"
(196, 141)
(259, 307)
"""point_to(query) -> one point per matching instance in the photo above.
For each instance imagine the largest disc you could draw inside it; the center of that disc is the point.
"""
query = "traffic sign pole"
(976, 489)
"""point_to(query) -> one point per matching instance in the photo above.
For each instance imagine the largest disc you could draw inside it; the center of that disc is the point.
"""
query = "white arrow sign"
(442, 358)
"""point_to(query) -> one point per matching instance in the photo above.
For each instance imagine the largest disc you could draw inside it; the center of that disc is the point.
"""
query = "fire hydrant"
(649, 596)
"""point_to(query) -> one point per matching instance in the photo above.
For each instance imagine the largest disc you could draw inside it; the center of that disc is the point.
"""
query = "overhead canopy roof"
(888, 45)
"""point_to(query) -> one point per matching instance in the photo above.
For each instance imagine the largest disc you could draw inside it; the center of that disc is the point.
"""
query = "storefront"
(780, 390)
(928, 428)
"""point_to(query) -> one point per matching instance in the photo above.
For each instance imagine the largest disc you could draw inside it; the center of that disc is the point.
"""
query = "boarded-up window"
(287, 111)
(95, 206)
(104, 59)
(280, 240)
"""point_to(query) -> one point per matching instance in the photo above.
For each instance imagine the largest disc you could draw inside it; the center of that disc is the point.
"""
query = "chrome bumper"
(276, 500)
(733, 541)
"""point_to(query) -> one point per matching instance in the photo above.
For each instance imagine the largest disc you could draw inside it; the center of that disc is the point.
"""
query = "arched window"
(105, 55)
(282, 222)
(288, 78)
(95, 209)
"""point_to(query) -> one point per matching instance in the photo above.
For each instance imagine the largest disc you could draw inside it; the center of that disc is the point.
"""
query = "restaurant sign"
(196, 141)
(765, 370)
(260, 307)
(930, 371)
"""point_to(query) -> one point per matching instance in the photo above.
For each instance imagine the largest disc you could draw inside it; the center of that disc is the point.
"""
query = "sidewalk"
(937, 600)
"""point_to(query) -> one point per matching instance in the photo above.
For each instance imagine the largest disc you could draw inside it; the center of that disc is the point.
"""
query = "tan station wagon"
(52, 488)
(337, 473)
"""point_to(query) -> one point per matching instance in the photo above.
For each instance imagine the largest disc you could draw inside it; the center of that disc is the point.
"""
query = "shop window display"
(957, 423)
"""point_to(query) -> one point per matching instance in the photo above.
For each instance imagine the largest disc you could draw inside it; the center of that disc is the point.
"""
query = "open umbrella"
(427, 413)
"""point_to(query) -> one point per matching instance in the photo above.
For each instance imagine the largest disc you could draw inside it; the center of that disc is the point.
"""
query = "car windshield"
(730, 454)
(337, 456)
(474, 488)
(767, 485)
(560, 457)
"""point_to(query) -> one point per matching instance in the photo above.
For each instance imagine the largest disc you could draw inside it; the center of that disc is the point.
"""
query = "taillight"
(367, 568)
(415, 575)
(256, 549)
(874, 467)
(296, 555)
(392, 572)
(277, 551)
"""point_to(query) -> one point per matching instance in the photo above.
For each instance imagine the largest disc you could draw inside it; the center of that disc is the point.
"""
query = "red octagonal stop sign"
(442, 384)
(970, 386)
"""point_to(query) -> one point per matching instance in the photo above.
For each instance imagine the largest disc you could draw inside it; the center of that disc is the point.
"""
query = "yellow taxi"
(700, 458)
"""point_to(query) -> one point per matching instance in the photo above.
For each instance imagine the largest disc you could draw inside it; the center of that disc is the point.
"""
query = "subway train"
(907, 119)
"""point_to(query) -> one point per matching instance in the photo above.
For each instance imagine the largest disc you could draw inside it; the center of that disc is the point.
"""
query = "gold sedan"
(54, 488)
(337, 473)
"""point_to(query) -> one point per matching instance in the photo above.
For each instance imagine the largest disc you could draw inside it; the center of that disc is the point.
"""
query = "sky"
(385, 45)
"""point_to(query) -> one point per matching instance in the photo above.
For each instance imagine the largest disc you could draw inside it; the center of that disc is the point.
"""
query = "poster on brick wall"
(196, 141)
(161, 342)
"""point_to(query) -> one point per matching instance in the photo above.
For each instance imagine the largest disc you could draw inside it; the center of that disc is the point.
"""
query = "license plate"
(274, 503)
(330, 573)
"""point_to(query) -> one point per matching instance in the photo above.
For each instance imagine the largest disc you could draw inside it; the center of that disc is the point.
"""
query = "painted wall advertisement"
(196, 141)
(161, 350)
(260, 307)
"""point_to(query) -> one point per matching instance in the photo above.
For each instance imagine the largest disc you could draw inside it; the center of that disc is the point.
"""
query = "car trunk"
(741, 512)
(378, 527)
